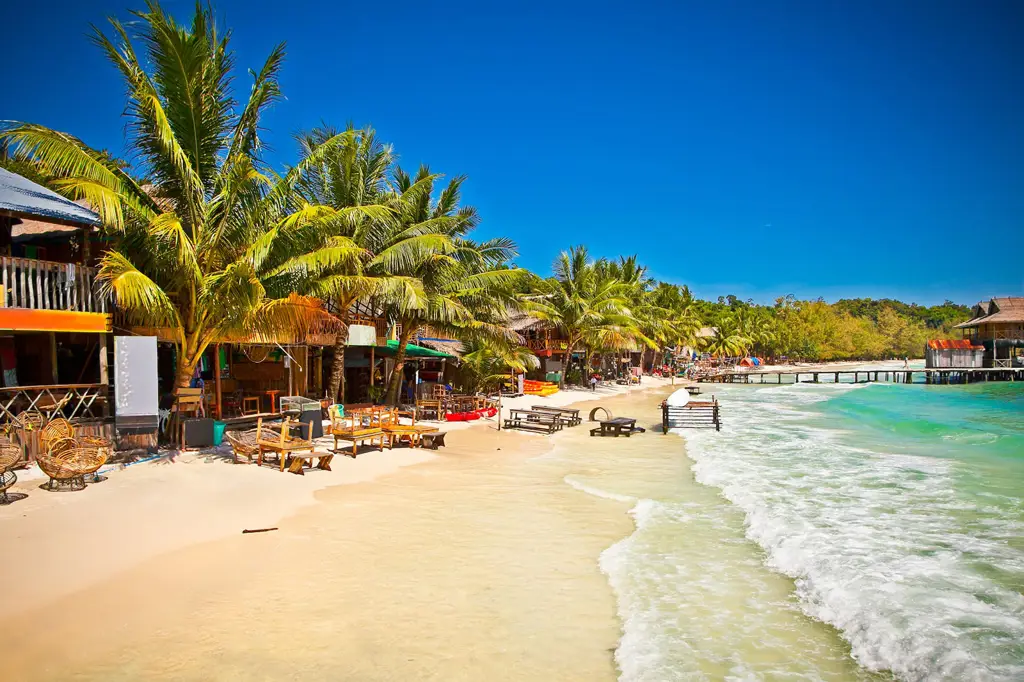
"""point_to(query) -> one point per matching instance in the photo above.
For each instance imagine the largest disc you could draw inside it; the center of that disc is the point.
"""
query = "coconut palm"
(352, 174)
(202, 246)
(584, 302)
(467, 286)
(487, 363)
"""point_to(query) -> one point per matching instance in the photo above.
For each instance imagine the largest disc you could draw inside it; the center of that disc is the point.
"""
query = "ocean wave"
(884, 546)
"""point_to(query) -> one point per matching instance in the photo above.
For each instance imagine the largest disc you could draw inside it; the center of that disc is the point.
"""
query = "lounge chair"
(243, 444)
(286, 447)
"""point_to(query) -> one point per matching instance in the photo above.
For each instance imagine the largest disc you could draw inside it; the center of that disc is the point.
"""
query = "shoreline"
(470, 456)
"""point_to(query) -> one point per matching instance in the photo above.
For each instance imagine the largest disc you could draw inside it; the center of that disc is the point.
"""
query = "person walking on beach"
(906, 362)
(593, 383)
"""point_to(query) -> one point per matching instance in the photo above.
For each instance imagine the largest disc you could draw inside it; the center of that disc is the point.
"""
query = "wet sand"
(478, 564)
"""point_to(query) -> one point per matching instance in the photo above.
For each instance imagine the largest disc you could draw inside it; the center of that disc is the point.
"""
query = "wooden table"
(359, 435)
(412, 432)
(620, 426)
(533, 420)
(272, 396)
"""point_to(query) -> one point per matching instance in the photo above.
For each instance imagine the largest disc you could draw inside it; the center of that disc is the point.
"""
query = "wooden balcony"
(45, 285)
(545, 344)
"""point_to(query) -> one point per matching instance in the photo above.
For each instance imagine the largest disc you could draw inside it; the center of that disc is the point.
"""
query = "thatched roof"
(1001, 309)
(521, 323)
(454, 348)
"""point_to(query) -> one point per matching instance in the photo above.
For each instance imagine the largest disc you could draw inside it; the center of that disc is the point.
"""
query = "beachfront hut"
(998, 326)
(957, 353)
(53, 325)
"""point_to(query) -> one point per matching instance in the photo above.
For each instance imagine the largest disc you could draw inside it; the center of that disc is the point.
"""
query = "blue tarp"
(23, 198)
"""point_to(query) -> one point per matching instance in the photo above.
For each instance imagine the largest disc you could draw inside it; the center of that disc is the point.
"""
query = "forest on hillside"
(849, 329)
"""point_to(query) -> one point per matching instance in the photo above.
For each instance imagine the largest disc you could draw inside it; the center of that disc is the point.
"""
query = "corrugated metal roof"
(22, 198)
(953, 344)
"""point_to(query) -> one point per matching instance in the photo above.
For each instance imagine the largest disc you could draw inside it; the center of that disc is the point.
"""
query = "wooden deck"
(940, 375)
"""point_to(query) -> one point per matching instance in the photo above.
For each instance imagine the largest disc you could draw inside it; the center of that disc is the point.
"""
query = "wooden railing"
(45, 285)
(71, 401)
(380, 325)
(545, 344)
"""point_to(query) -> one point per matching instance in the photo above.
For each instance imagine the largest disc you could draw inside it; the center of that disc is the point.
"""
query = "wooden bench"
(533, 420)
(570, 416)
(621, 426)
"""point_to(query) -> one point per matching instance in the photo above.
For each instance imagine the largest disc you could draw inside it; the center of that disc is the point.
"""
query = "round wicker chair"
(68, 461)
(10, 454)
(53, 430)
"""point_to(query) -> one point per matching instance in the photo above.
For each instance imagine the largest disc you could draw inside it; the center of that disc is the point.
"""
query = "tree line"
(209, 240)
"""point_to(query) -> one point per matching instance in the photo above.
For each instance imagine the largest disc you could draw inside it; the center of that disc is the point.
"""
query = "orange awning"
(28, 320)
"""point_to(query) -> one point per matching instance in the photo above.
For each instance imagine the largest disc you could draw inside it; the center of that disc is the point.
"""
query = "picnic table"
(620, 426)
(570, 416)
(411, 433)
(533, 420)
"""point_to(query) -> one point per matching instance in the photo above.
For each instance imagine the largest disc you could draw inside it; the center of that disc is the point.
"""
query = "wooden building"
(953, 353)
(998, 326)
(53, 325)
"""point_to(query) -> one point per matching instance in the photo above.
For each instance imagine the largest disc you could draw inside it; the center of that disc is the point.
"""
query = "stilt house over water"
(998, 325)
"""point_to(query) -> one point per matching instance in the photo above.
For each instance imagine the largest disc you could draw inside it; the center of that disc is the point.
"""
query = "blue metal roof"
(23, 198)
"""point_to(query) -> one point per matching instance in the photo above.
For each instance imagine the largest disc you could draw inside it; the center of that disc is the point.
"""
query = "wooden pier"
(694, 414)
(943, 375)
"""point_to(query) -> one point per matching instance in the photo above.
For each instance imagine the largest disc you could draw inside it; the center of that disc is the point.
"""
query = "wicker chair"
(243, 444)
(55, 430)
(68, 461)
(10, 454)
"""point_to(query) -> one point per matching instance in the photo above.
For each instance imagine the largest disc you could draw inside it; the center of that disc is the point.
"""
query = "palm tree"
(352, 174)
(202, 246)
(466, 285)
(487, 363)
(728, 339)
(584, 303)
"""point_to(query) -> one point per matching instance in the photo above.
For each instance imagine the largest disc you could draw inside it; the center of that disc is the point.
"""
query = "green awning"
(412, 351)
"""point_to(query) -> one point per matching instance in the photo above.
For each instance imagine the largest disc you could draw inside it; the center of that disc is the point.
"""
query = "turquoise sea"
(871, 531)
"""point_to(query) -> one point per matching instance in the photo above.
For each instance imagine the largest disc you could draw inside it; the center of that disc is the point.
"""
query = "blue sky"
(835, 149)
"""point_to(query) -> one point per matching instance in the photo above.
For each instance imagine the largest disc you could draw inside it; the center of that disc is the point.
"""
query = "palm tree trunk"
(337, 385)
(565, 364)
(397, 373)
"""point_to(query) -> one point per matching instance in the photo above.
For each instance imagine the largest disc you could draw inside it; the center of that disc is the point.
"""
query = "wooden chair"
(251, 404)
(188, 403)
(434, 407)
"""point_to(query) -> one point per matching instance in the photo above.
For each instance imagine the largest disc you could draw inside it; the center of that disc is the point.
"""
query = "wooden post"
(373, 362)
(216, 381)
(104, 375)
(53, 357)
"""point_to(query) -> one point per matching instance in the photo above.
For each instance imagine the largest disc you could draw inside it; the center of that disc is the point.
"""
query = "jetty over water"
(941, 375)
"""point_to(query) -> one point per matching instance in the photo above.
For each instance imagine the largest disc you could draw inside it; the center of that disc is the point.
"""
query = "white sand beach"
(402, 564)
